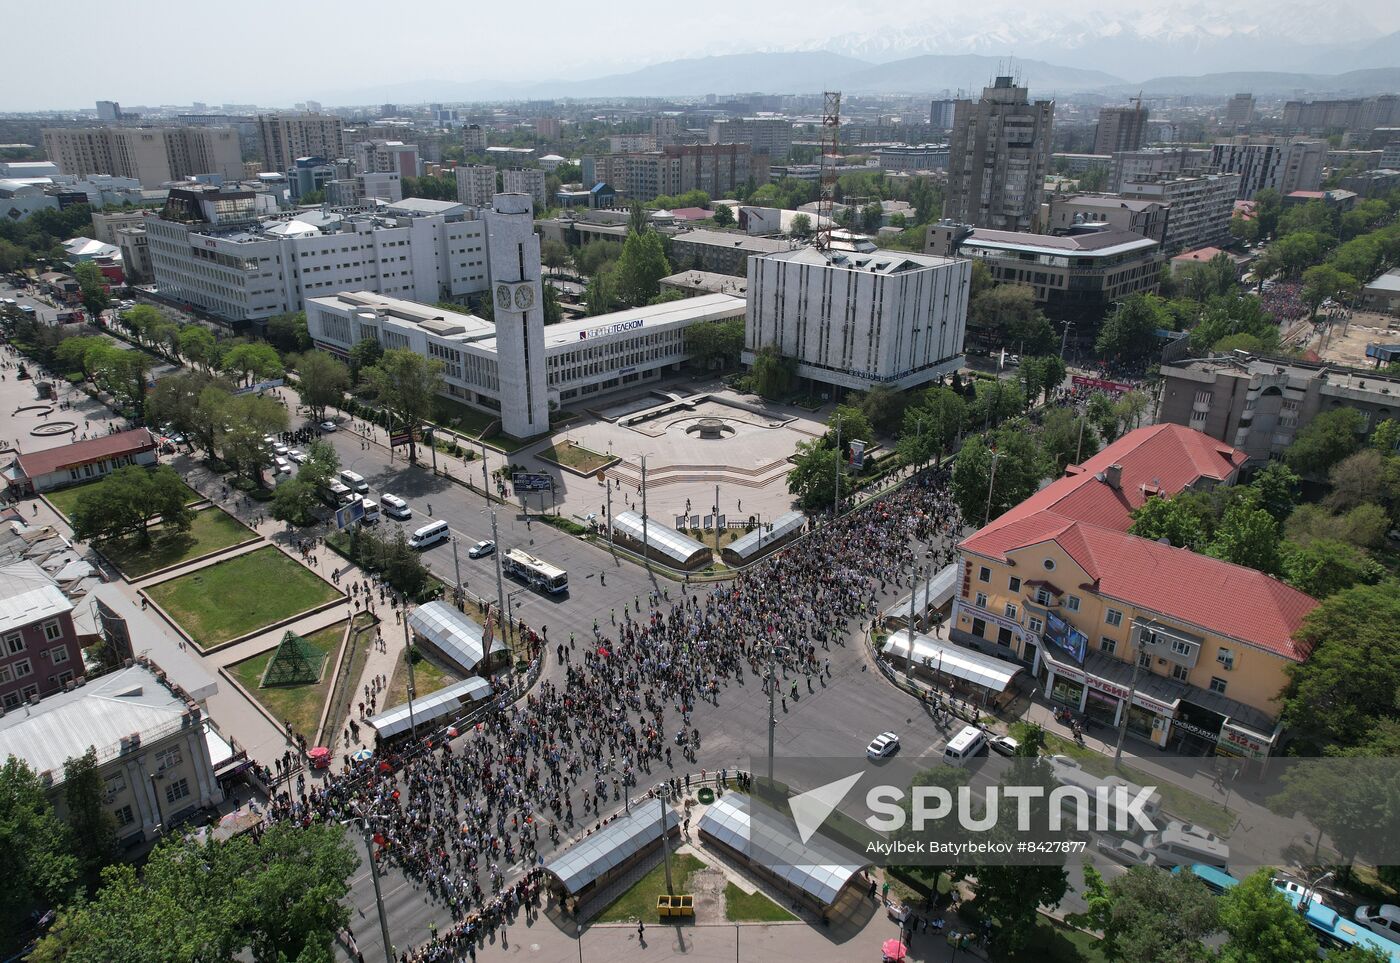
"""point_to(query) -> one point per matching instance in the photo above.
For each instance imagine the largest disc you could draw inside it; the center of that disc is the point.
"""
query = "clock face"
(524, 297)
(503, 295)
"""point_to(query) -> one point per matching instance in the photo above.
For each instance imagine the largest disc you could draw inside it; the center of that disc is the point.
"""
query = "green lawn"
(1054, 942)
(66, 498)
(576, 457)
(461, 418)
(232, 598)
(740, 907)
(299, 704)
(428, 677)
(212, 529)
(639, 902)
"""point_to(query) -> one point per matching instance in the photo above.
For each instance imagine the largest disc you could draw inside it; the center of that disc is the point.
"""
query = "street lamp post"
(500, 585)
(663, 793)
(408, 657)
(646, 534)
(457, 570)
(991, 482)
(772, 697)
(836, 498)
(374, 875)
(1132, 692)
(485, 478)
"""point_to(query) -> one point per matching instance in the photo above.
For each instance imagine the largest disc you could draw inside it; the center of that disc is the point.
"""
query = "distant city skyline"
(254, 61)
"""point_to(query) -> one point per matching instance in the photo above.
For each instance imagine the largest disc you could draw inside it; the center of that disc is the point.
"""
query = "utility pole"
(608, 485)
(1128, 706)
(772, 718)
(1079, 448)
(432, 444)
(836, 499)
(663, 794)
(485, 478)
(1064, 338)
(378, 895)
(408, 657)
(500, 585)
(716, 522)
(646, 534)
(986, 517)
(457, 570)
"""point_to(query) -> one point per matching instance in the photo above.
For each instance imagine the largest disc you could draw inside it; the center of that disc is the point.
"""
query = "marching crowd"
(467, 814)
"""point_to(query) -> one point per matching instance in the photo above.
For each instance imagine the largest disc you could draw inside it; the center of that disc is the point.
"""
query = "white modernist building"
(860, 318)
(581, 359)
(217, 250)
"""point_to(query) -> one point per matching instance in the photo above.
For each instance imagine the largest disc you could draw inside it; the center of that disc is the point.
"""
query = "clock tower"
(514, 251)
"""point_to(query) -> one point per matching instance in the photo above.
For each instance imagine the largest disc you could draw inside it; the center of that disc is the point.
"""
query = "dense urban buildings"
(1071, 211)
(999, 153)
(1058, 585)
(941, 114)
(1199, 207)
(1281, 163)
(771, 136)
(526, 180)
(1076, 276)
(152, 155)
(716, 169)
(285, 137)
(1259, 404)
(720, 251)
(1151, 163)
(896, 158)
(861, 318)
(385, 156)
(1120, 129)
(1240, 110)
(476, 184)
(1334, 116)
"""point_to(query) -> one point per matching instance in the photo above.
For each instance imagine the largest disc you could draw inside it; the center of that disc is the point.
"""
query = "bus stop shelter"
(966, 671)
(456, 639)
(765, 537)
(586, 868)
(667, 545)
(432, 709)
(929, 596)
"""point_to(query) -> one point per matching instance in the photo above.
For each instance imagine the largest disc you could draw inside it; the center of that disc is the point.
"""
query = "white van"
(395, 507)
(339, 494)
(371, 514)
(429, 535)
(1173, 848)
(964, 746)
(354, 482)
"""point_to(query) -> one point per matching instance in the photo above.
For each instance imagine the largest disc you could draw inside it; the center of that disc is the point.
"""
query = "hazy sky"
(156, 51)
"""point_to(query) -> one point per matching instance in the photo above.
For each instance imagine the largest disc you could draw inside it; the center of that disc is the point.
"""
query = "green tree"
(549, 304)
(128, 501)
(1362, 477)
(406, 384)
(724, 217)
(640, 268)
(92, 288)
(1277, 488)
(884, 408)
(175, 401)
(601, 293)
(772, 375)
(295, 501)
(1175, 519)
(365, 354)
(35, 856)
(1364, 526)
(322, 464)
(1128, 333)
(854, 425)
(995, 401)
(140, 319)
(554, 254)
(1348, 683)
(715, 344)
(1248, 536)
(324, 381)
(1323, 281)
(1065, 439)
(1325, 566)
(1326, 440)
(801, 225)
(1017, 473)
(1001, 308)
(1386, 437)
(250, 361)
(1295, 253)
(77, 354)
(813, 478)
(92, 829)
(197, 345)
(1262, 926)
(1150, 914)
(288, 333)
(251, 417)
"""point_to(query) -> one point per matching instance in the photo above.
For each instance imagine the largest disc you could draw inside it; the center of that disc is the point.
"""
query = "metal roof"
(662, 538)
(453, 634)
(593, 856)
(28, 595)
(766, 534)
(961, 663)
(432, 707)
(819, 868)
(931, 593)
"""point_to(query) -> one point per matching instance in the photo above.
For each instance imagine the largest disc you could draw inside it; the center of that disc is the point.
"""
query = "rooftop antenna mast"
(831, 144)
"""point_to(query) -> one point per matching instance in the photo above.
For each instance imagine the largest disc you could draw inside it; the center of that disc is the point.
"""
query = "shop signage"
(1243, 743)
(1194, 729)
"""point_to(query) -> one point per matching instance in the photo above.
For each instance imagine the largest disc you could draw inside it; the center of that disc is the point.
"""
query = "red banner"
(1099, 384)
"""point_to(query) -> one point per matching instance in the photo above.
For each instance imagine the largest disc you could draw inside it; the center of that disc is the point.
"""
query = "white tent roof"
(961, 663)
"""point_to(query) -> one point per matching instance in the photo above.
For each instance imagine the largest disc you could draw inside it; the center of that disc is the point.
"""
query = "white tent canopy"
(954, 660)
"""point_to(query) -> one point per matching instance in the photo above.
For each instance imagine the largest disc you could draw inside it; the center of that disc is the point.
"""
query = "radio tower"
(831, 144)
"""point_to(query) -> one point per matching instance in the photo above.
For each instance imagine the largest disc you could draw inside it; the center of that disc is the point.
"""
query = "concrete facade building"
(998, 156)
(152, 155)
(152, 744)
(941, 114)
(1331, 116)
(913, 157)
(106, 224)
(285, 137)
(1259, 404)
(1283, 164)
(716, 169)
(721, 252)
(136, 254)
(1120, 129)
(665, 130)
(39, 648)
(474, 139)
(1151, 163)
(854, 320)
(631, 143)
(476, 184)
(1074, 277)
(771, 136)
(548, 129)
(385, 156)
(526, 180)
(218, 251)
(1239, 111)
(1199, 207)
(1071, 211)
(109, 111)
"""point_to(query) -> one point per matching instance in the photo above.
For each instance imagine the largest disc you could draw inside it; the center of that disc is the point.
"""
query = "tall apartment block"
(764, 135)
(1239, 110)
(1120, 129)
(941, 114)
(474, 139)
(526, 180)
(476, 184)
(152, 155)
(1282, 163)
(285, 137)
(998, 155)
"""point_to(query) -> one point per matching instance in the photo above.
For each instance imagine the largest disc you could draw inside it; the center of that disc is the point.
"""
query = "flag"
(603, 651)
(379, 840)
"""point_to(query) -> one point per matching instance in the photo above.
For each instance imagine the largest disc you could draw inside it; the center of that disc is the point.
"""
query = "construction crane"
(831, 144)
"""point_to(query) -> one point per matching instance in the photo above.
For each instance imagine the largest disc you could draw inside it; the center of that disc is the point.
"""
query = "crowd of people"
(464, 816)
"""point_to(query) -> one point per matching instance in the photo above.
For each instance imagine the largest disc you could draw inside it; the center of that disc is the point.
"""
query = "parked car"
(328, 426)
(885, 744)
(297, 455)
(1124, 851)
(1383, 920)
(481, 549)
(281, 465)
(1004, 746)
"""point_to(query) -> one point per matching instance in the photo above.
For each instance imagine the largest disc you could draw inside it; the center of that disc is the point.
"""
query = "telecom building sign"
(603, 330)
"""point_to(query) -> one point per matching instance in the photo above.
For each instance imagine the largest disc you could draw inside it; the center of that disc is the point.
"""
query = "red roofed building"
(43, 471)
(1058, 585)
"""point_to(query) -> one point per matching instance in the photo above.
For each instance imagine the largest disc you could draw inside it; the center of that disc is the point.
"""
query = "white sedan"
(297, 455)
(328, 426)
(885, 744)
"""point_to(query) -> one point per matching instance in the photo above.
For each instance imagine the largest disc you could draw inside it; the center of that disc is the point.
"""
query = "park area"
(209, 531)
(298, 699)
(64, 499)
(241, 595)
(691, 875)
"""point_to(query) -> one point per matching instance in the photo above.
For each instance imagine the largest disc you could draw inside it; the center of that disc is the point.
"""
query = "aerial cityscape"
(789, 484)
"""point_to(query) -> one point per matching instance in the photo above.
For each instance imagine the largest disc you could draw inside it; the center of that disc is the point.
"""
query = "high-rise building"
(526, 180)
(998, 155)
(941, 114)
(152, 155)
(716, 169)
(1329, 116)
(285, 137)
(763, 135)
(1150, 163)
(1282, 163)
(518, 302)
(1199, 207)
(1120, 129)
(1239, 110)
(109, 111)
(548, 129)
(474, 139)
(378, 156)
(476, 184)
(665, 130)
